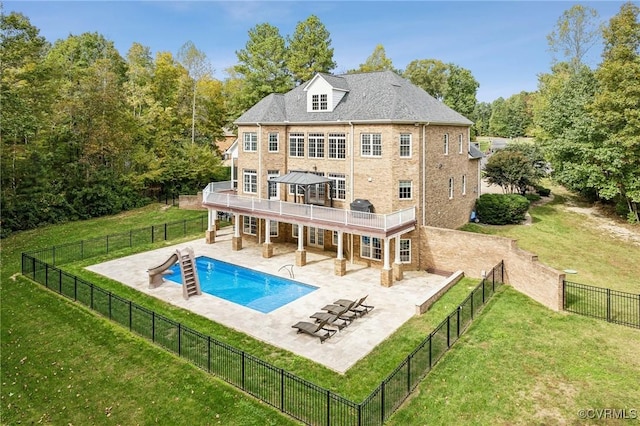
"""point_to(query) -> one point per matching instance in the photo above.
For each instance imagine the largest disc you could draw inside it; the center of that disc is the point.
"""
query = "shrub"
(501, 209)
(532, 197)
(542, 191)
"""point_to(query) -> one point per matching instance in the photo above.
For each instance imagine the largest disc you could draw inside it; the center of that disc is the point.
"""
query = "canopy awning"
(301, 178)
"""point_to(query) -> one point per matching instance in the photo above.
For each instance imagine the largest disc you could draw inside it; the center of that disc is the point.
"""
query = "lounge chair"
(332, 318)
(358, 306)
(316, 330)
(345, 314)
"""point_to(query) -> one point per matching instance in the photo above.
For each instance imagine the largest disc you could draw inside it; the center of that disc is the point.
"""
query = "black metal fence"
(603, 303)
(85, 249)
(297, 397)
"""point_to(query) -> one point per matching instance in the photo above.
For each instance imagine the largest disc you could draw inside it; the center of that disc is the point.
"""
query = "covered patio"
(220, 197)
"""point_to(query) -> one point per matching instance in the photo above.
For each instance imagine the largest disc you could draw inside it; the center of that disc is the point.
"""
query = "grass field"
(521, 363)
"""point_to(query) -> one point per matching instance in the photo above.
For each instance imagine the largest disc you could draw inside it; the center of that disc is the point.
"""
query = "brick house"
(354, 164)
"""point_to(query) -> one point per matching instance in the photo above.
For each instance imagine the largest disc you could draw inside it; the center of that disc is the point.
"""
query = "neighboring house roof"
(377, 96)
(474, 152)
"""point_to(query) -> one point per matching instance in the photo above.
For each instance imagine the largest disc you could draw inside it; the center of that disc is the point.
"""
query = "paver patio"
(393, 305)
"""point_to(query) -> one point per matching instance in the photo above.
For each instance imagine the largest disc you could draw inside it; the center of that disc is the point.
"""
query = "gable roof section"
(377, 96)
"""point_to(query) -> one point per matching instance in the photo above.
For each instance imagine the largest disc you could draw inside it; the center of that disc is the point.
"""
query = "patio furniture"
(315, 329)
(332, 317)
(358, 307)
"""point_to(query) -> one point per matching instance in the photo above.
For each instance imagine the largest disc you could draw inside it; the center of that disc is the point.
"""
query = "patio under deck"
(219, 197)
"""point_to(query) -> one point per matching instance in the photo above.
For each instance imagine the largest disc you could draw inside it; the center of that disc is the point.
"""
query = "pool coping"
(393, 305)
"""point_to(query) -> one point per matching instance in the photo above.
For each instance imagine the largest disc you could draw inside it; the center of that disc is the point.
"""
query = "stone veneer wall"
(191, 202)
(473, 253)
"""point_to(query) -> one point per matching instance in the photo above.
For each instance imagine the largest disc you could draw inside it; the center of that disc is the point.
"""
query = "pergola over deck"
(220, 197)
(302, 180)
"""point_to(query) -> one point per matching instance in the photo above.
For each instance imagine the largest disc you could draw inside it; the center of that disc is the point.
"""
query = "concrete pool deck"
(393, 305)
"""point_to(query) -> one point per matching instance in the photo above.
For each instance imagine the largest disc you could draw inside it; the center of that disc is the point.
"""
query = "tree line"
(87, 132)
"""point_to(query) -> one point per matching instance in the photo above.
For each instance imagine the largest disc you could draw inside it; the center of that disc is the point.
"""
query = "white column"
(301, 237)
(267, 231)
(236, 225)
(211, 220)
(386, 265)
(340, 256)
(397, 259)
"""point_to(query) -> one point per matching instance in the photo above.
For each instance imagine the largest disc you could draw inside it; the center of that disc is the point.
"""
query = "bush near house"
(501, 209)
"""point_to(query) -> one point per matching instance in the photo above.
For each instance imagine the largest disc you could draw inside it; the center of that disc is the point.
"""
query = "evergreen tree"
(262, 65)
(310, 50)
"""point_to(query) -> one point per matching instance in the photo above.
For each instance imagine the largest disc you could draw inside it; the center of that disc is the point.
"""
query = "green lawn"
(563, 240)
(518, 360)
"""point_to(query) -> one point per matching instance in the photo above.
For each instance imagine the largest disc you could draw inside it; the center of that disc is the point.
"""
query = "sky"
(503, 43)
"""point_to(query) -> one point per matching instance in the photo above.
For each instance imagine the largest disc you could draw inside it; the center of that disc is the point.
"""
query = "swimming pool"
(256, 290)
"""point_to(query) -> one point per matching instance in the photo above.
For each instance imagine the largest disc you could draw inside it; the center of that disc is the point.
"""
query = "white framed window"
(337, 145)
(371, 145)
(405, 145)
(249, 225)
(296, 145)
(405, 250)
(370, 247)
(250, 180)
(446, 144)
(294, 231)
(460, 144)
(464, 184)
(334, 238)
(404, 190)
(319, 102)
(274, 190)
(338, 186)
(450, 188)
(273, 228)
(274, 142)
(316, 145)
(316, 193)
(250, 141)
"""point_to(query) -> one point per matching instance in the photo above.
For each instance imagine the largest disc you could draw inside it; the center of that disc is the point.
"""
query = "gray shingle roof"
(375, 96)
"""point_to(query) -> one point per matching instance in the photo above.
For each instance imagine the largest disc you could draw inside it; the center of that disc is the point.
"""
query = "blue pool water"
(246, 287)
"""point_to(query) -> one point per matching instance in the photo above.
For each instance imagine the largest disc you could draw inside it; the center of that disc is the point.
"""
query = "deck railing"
(212, 196)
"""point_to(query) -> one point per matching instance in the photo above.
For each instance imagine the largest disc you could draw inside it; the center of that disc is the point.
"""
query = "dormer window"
(319, 102)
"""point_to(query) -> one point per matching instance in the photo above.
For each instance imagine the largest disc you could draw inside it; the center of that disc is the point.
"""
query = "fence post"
(152, 233)
(165, 232)
(242, 379)
(328, 407)
(91, 302)
(209, 353)
(75, 288)
(179, 339)
(472, 304)
(153, 326)
(409, 374)
(107, 244)
(382, 403)
(609, 305)
(360, 414)
(483, 301)
(448, 330)
(60, 281)
(130, 238)
(130, 317)
(282, 389)
(430, 357)
(564, 295)
(458, 322)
